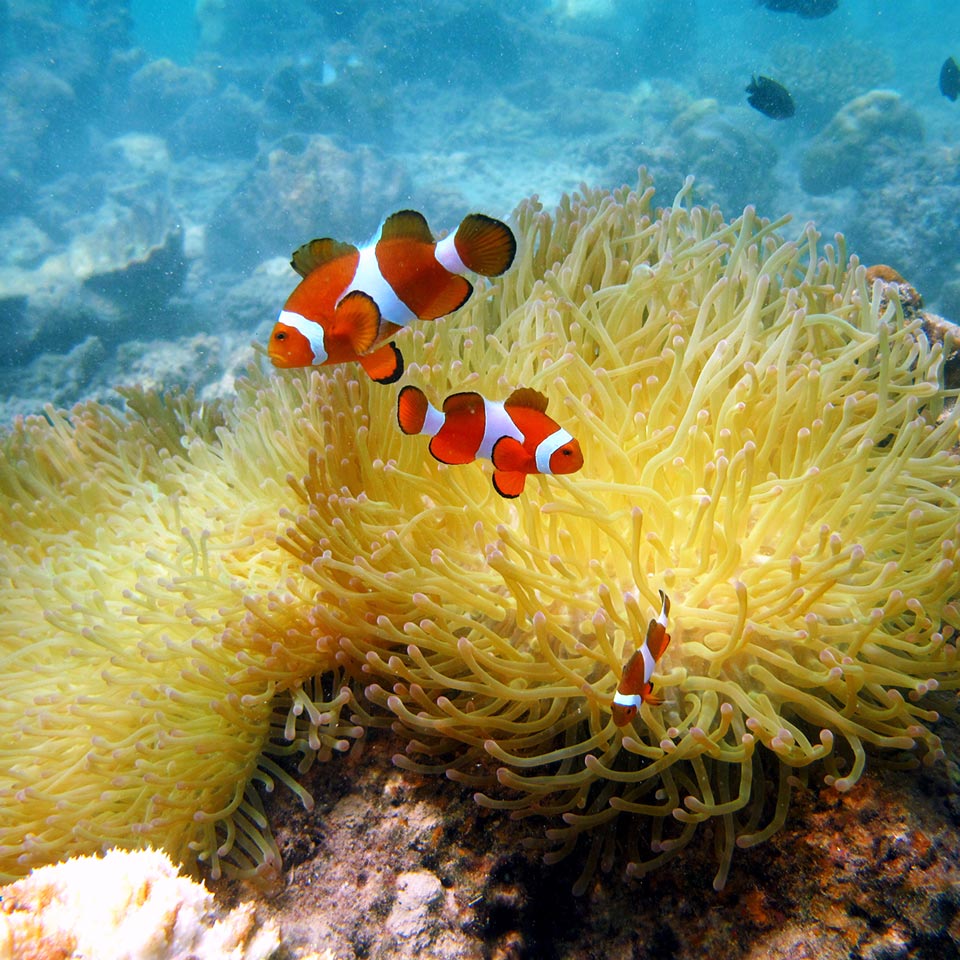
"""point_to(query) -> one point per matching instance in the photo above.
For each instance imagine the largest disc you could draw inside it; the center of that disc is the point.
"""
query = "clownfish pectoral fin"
(385, 364)
(509, 483)
(511, 456)
(357, 320)
(406, 225)
(317, 252)
(486, 246)
(527, 397)
(412, 407)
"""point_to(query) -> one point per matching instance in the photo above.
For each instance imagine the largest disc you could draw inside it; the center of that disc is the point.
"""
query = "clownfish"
(516, 435)
(350, 300)
(635, 686)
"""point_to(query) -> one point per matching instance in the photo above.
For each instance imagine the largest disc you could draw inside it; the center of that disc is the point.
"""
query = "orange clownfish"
(635, 686)
(516, 435)
(350, 300)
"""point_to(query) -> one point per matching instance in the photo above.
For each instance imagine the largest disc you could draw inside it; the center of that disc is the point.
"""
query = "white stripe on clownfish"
(371, 281)
(497, 423)
(448, 256)
(548, 446)
(432, 421)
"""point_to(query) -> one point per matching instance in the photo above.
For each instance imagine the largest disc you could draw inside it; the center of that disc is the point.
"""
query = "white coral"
(127, 905)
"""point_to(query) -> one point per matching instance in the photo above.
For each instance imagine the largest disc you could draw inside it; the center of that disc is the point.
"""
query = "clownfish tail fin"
(412, 408)
(486, 246)
(664, 606)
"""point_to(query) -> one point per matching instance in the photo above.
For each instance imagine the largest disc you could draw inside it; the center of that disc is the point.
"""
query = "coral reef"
(766, 437)
(861, 134)
(723, 151)
(850, 874)
(823, 79)
(904, 207)
(298, 183)
(127, 904)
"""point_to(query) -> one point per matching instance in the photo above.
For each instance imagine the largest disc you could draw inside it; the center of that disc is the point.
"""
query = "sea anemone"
(188, 592)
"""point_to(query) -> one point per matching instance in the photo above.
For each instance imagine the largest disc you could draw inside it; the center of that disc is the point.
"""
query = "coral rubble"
(125, 904)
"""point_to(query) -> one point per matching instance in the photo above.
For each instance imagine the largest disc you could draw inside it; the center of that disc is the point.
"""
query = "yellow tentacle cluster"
(188, 593)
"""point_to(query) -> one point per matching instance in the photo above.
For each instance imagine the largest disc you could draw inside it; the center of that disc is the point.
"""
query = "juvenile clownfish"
(516, 435)
(351, 300)
(635, 686)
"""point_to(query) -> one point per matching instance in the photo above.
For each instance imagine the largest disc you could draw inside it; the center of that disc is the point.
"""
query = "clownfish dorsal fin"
(318, 252)
(357, 319)
(406, 225)
(527, 397)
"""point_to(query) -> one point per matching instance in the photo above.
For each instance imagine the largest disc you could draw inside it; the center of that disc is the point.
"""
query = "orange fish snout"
(567, 459)
(290, 347)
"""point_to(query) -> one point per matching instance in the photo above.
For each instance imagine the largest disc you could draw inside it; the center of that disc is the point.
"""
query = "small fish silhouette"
(808, 9)
(950, 79)
(770, 98)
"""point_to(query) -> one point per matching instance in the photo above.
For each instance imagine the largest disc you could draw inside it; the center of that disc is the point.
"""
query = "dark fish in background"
(808, 9)
(770, 98)
(950, 79)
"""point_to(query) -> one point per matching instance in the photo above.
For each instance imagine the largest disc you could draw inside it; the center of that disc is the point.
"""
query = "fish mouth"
(279, 360)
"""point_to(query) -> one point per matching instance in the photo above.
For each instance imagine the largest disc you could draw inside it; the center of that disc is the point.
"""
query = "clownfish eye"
(279, 335)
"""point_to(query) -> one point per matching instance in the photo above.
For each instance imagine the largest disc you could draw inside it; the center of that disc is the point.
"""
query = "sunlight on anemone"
(202, 591)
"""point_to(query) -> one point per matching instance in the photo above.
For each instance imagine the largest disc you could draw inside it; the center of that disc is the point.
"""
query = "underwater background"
(160, 163)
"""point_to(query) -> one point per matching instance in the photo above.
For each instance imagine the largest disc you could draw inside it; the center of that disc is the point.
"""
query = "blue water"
(169, 30)
(160, 161)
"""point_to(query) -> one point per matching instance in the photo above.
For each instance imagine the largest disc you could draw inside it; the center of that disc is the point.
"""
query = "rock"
(38, 127)
(733, 163)
(162, 90)
(418, 891)
(109, 280)
(872, 126)
(303, 187)
(23, 243)
(217, 126)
